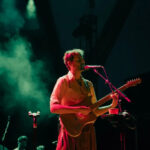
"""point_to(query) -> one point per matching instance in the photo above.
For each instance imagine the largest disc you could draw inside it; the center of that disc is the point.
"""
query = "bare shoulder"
(62, 80)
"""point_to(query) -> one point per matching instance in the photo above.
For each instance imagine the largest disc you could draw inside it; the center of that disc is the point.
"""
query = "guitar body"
(74, 123)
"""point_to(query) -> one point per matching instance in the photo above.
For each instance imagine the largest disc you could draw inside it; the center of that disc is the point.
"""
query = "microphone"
(34, 115)
(92, 66)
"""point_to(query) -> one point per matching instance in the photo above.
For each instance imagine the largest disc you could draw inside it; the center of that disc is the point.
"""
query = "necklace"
(79, 81)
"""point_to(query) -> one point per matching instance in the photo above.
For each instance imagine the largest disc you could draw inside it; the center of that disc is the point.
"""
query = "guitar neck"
(107, 97)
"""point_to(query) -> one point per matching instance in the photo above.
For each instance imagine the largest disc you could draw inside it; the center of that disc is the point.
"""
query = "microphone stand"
(111, 86)
(34, 117)
(6, 129)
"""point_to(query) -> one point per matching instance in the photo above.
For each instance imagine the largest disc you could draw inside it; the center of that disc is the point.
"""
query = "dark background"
(113, 33)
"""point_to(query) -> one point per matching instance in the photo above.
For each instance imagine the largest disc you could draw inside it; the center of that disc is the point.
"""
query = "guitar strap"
(86, 84)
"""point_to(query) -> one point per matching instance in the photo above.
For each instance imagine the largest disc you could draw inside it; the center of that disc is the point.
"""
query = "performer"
(40, 147)
(22, 143)
(69, 92)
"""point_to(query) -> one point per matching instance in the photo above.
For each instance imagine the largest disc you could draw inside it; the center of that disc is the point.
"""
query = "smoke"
(11, 21)
(22, 77)
(24, 80)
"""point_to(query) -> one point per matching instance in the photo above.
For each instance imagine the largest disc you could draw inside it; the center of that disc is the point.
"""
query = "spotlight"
(31, 9)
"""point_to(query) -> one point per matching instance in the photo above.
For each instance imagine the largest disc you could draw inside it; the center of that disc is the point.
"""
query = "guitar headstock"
(134, 82)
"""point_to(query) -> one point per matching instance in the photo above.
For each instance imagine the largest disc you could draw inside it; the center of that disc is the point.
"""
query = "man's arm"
(62, 109)
(55, 101)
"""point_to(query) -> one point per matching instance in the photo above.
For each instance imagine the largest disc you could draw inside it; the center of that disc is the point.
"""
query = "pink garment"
(86, 141)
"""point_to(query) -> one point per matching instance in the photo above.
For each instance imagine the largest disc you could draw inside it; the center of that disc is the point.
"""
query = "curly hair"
(69, 55)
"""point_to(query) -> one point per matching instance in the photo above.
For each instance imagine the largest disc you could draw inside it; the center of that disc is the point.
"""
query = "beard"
(82, 67)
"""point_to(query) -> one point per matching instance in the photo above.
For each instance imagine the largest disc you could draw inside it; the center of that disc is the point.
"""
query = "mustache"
(82, 66)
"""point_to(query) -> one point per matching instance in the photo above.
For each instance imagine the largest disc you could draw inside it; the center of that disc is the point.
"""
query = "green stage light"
(31, 9)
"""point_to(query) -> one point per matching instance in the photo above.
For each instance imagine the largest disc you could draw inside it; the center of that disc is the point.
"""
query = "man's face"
(77, 64)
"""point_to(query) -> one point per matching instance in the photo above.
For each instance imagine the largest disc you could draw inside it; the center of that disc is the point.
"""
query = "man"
(22, 143)
(40, 147)
(73, 94)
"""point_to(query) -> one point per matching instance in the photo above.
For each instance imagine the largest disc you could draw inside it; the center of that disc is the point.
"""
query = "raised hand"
(115, 98)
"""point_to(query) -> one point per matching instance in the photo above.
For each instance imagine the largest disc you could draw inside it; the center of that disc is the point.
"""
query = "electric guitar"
(74, 123)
